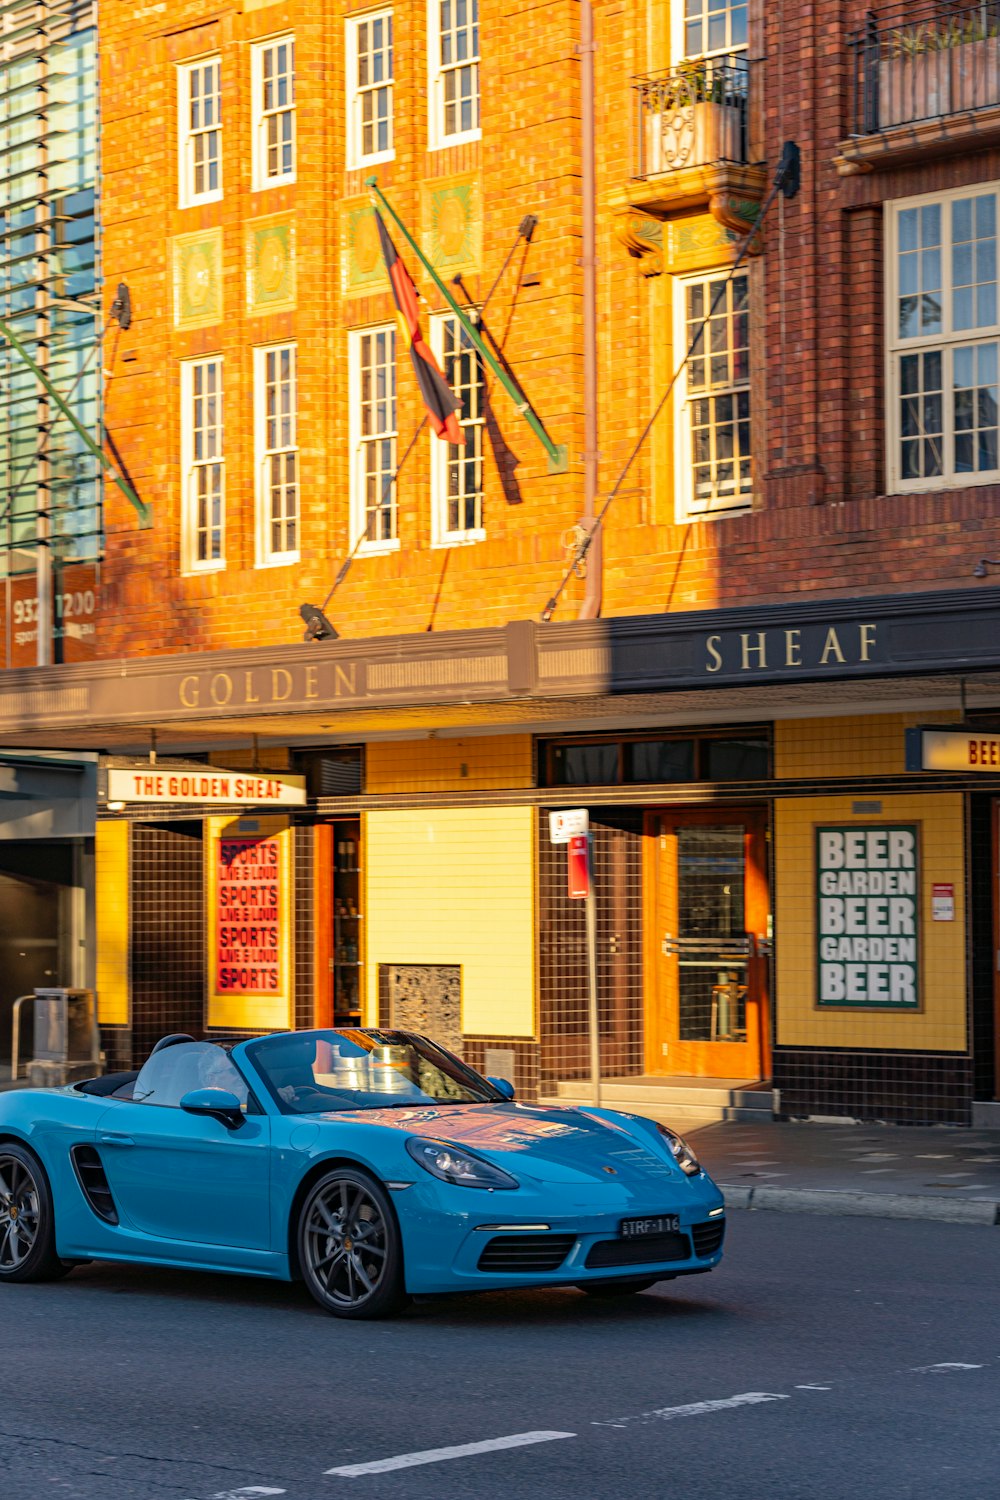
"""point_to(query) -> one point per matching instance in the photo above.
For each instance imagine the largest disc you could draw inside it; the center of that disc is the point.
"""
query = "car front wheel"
(27, 1222)
(349, 1246)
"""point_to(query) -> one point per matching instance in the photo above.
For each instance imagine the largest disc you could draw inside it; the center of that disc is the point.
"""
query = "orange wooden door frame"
(749, 1059)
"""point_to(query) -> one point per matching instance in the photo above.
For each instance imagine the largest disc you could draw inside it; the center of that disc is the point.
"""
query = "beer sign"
(867, 916)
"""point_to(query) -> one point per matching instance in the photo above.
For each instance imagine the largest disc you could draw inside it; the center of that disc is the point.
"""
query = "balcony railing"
(925, 61)
(694, 115)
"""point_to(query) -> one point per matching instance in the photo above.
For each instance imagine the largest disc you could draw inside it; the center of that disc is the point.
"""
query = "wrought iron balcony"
(925, 75)
(693, 115)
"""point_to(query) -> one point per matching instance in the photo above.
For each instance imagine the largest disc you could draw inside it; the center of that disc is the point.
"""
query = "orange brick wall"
(821, 523)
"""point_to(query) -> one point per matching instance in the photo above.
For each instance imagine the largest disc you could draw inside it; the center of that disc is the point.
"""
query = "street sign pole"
(593, 1016)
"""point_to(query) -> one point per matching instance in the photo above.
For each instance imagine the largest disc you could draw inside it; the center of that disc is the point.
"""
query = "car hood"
(551, 1145)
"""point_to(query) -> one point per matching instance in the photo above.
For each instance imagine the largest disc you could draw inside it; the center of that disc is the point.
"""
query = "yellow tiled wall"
(940, 1024)
(111, 872)
(454, 886)
(479, 763)
(856, 745)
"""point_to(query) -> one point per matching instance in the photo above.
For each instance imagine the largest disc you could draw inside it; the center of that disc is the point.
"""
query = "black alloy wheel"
(349, 1247)
(616, 1288)
(27, 1223)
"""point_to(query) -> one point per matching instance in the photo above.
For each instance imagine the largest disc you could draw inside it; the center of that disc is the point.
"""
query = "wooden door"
(708, 942)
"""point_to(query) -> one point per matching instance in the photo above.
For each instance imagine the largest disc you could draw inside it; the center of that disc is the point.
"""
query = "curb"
(867, 1205)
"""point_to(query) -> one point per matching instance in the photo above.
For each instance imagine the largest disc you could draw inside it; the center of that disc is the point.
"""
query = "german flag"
(439, 398)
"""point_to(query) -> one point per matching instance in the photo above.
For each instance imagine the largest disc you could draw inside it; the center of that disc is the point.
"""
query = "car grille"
(96, 1190)
(708, 1237)
(526, 1252)
(651, 1250)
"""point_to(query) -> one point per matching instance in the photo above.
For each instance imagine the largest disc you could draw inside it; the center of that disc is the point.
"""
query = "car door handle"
(109, 1138)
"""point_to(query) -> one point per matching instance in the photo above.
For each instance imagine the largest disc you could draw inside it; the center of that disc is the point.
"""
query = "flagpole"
(557, 454)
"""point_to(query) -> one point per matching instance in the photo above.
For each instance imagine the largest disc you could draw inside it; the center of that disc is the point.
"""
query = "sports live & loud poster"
(248, 889)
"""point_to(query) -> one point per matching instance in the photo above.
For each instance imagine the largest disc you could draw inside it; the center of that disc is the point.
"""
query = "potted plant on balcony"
(696, 117)
(931, 70)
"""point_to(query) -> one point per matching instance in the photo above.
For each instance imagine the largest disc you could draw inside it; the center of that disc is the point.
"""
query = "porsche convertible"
(372, 1164)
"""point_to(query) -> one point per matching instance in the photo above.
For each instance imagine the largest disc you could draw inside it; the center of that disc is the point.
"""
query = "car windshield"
(313, 1072)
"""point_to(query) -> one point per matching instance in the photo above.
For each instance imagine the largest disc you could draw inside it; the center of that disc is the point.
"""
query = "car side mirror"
(219, 1103)
(503, 1087)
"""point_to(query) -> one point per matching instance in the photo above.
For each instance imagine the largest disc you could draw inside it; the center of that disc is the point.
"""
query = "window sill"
(455, 140)
(198, 570)
(459, 539)
(362, 163)
(274, 182)
(279, 560)
(942, 482)
(720, 513)
(377, 549)
(201, 200)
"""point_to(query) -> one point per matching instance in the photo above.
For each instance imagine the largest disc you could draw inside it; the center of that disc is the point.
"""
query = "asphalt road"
(866, 1354)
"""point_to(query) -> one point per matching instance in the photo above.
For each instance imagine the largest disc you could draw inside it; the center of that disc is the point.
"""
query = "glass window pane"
(659, 760)
(585, 765)
(736, 759)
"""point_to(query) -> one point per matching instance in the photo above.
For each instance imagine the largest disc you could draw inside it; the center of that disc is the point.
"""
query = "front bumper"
(495, 1243)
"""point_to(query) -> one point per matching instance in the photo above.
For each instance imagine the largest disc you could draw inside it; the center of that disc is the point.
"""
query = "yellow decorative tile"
(197, 267)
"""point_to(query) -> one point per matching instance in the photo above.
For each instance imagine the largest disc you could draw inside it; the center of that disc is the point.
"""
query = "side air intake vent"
(90, 1173)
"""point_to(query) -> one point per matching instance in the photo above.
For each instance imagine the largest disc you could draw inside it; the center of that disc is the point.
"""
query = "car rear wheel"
(349, 1247)
(27, 1222)
(615, 1288)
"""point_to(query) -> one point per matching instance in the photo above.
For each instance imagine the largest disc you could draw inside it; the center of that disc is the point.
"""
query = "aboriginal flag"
(439, 399)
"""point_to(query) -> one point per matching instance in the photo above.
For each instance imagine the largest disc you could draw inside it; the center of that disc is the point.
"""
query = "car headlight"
(680, 1151)
(456, 1165)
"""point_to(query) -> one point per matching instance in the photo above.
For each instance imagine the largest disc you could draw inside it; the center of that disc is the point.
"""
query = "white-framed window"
(710, 28)
(203, 472)
(369, 89)
(199, 131)
(943, 339)
(714, 465)
(372, 373)
(457, 471)
(277, 454)
(453, 63)
(273, 82)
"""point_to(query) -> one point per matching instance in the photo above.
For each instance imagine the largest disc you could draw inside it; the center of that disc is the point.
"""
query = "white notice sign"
(568, 824)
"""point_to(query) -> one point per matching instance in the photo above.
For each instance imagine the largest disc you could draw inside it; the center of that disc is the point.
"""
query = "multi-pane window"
(200, 114)
(369, 88)
(373, 436)
(203, 463)
(713, 27)
(455, 68)
(716, 469)
(458, 468)
(275, 380)
(943, 324)
(274, 111)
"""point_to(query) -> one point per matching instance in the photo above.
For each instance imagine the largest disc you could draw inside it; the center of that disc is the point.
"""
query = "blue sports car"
(373, 1164)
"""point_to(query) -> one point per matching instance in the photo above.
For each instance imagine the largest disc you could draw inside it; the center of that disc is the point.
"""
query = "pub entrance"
(708, 939)
(41, 900)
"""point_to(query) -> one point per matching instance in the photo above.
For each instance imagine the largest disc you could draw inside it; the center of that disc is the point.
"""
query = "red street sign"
(578, 867)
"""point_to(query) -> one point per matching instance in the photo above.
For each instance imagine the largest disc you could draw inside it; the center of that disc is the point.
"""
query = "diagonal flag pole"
(557, 453)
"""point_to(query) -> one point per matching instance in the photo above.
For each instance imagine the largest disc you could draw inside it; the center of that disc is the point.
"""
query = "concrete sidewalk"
(885, 1171)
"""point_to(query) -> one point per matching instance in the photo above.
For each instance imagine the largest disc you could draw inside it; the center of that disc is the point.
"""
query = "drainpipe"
(591, 605)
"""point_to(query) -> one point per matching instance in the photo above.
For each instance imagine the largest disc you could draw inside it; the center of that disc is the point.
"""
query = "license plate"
(637, 1229)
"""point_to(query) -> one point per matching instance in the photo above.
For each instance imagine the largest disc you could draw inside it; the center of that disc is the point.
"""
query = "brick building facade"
(808, 508)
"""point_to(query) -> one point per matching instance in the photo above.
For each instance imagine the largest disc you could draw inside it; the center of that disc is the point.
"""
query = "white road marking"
(696, 1408)
(942, 1369)
(438, 1455)
(814, 1387)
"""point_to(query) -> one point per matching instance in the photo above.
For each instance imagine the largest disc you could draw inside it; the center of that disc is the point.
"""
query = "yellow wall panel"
(111, 872)
(940, 1024)
(479, 763)
(456, 886)
(855, 745)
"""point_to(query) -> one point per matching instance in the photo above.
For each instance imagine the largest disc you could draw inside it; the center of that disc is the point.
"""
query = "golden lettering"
(759, 648)
(793, 646)
(867, 633)
(189, 696)
(249, 695)
(712, 645)
(280, 676)
(832, 644)
(312, 689)
(227, 689)
(345, 680)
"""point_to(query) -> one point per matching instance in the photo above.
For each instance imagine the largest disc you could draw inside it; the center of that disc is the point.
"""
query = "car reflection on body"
(373, 1164)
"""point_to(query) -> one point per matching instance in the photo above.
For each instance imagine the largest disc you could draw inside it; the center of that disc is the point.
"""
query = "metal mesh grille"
(562, 950)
